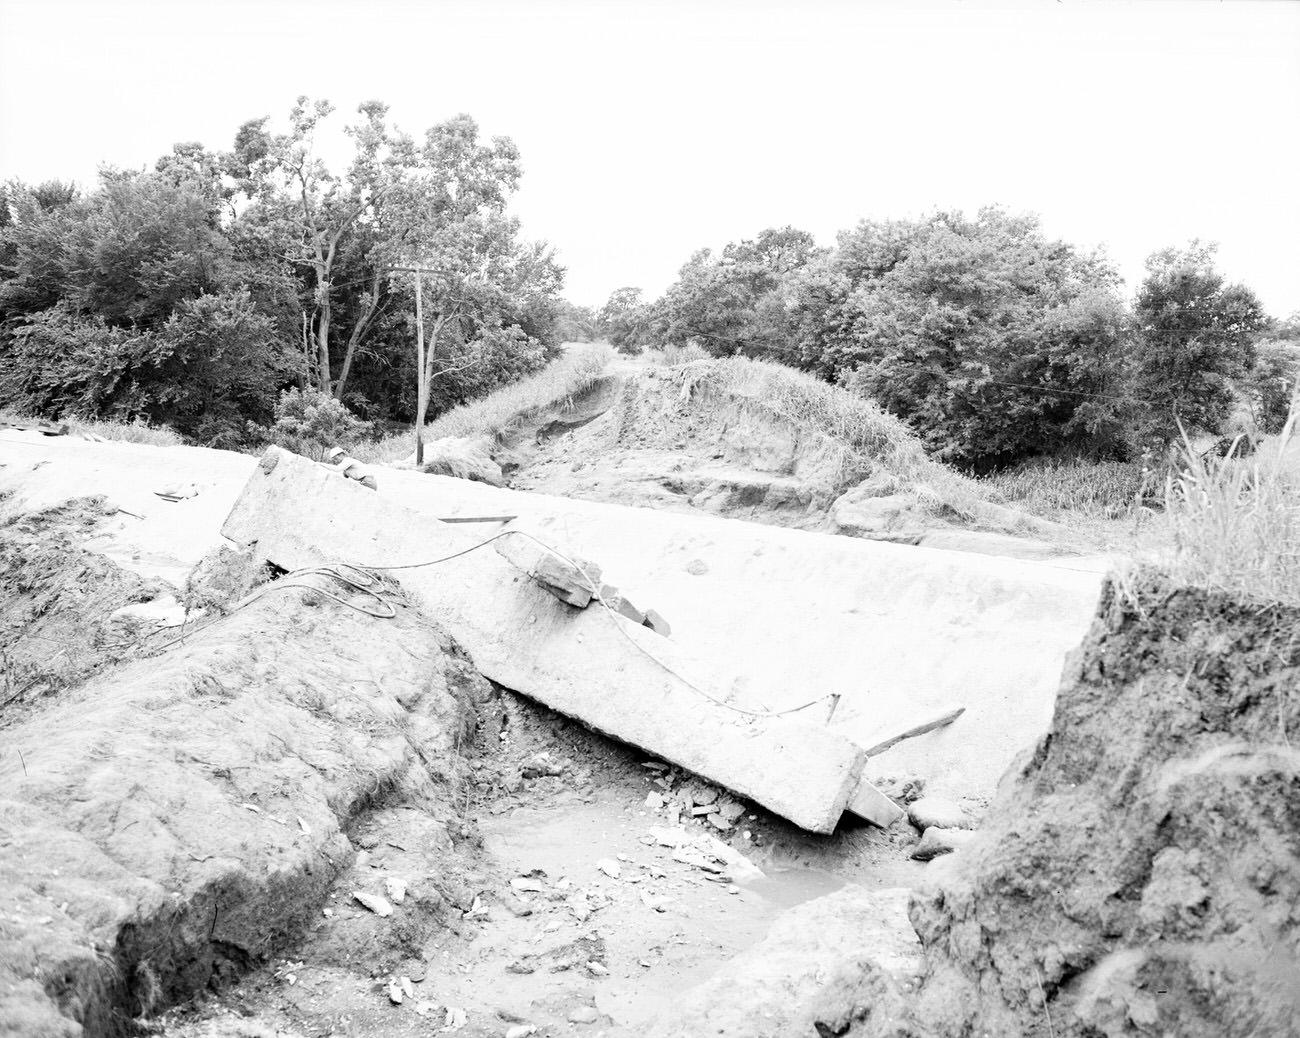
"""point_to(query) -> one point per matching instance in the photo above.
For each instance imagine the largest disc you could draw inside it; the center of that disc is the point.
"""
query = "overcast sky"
(649, 130)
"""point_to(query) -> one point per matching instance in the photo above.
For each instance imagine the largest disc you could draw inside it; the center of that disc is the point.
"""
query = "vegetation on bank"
(993, 342)
(494, 417)
(196, 293)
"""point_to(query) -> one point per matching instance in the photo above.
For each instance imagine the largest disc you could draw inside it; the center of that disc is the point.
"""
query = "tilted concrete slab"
(900, 632)
(618, 677)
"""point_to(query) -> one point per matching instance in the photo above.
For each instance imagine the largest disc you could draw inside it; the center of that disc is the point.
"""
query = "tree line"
(220, 288)
(995, 342)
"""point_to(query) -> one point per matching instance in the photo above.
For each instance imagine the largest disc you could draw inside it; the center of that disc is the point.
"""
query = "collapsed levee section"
(179, 818)
(615, 676)
(1138, 874)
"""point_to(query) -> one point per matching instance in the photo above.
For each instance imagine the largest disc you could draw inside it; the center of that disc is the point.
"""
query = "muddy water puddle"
(601, 878)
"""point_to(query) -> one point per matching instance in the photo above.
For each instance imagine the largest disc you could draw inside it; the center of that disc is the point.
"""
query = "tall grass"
(1064, 489)
(1235, 524)
(135, 431)
(494, 416)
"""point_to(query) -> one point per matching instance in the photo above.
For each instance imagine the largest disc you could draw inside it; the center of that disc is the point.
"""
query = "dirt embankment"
(766, 444)
(1139, 874)
(180, 815)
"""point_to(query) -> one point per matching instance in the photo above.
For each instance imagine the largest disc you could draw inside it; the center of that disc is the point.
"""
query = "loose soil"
(541, 936)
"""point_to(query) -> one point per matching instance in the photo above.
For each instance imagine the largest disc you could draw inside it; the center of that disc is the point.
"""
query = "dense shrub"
(309, 422)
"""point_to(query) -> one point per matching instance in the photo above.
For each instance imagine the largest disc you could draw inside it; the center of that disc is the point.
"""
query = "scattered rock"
(655, 621)
(518, 907)
(583, 1015)
(731, 809)
(521, 1031)
(395, 993)
(374, 902)
(609, 867)
(656, 901)
(697, 567)
(542, 764)
(395, 889)
(936, 841)
(938, 813)
(902, 789)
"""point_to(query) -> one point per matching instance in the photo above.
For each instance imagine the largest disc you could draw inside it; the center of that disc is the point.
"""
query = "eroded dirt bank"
(1139, 873)
(175, 818)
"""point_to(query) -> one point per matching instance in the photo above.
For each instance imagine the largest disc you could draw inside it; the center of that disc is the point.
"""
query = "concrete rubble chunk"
(936, 841)
(570, 579)
(657, 623)
(937, 812)
(618, 602)
(613, 675)
(869, 803)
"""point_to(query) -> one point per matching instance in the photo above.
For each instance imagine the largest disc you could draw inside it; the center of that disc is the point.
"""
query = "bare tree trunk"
(323, 342)
(358, 330)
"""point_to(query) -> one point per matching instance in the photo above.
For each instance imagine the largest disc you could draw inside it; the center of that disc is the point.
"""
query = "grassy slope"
(492, 417)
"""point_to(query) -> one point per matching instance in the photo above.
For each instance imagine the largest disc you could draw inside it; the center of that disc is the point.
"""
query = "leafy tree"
(991, 340)
(739, 302)
(626, 320)
(1196, 334)
(144, 245)
(575, 323)
(436, 204)
(1271, 384)
(318, 215)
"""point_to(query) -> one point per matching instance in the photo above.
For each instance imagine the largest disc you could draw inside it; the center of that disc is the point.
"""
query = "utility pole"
(421, 379)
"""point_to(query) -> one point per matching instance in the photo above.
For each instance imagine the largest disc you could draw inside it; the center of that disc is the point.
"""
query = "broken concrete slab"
(616, 676)
(901, 632)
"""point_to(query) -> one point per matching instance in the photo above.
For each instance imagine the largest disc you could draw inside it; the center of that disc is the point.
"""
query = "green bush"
(309, 422)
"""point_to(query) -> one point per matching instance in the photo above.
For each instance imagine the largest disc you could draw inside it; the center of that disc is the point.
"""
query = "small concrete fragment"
(938, 813)
(657, 623)
(870, 804)
(936, 841)
(618, 602)
(571, 579)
